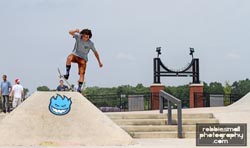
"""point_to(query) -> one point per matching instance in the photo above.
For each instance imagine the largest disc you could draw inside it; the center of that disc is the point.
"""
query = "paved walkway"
(143, 143)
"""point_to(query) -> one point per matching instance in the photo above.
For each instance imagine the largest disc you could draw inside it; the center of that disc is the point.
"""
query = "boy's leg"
(70, 58)
(19, 101)
(66, 76)
(6, 103)
(14, 103)
(3, 104)
(81, 68)
(79, 89)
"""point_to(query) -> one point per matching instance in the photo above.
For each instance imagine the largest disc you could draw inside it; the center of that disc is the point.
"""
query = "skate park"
(76, 122)
(35, 42)
(36, 126)
(69, 119)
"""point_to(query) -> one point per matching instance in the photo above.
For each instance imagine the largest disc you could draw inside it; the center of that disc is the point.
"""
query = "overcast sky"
(34, 39)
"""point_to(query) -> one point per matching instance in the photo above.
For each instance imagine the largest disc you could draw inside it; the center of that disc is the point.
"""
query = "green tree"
(227, 88)
(215, 88)
(43, 88)
(139, 88)
(227, 91)
(25, 91)
(126, 89)
(205, 87)
(181, 92)
(241, 87)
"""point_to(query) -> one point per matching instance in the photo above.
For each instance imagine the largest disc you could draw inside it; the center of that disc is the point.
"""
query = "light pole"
(191, 52)
(158, 50)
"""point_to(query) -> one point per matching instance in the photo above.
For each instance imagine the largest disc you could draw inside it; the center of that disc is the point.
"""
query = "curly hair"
(86, 32)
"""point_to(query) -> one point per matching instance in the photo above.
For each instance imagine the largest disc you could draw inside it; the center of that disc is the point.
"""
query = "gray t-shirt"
(82, 48)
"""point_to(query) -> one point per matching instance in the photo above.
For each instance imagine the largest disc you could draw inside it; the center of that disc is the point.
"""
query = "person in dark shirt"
(62, 87)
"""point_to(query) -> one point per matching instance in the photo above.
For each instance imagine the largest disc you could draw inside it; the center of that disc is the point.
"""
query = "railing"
(203, 99)
(172, 100)
(118, 102)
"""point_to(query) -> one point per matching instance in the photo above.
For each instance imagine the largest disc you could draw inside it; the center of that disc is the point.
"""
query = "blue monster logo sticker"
(60, 105)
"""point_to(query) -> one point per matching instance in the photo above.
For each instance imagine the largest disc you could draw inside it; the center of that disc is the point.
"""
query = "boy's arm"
(67, 88)
(10, 88)
(23, 94)
(72, 32)
(98, 59)
(58, 88)
(11, 93)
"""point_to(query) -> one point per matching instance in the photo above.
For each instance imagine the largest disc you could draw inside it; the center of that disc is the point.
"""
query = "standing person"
(62, 87)
(17, 94)
(79, 54)
(5, 89)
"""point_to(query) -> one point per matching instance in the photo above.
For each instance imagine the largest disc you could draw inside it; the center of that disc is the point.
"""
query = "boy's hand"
(98, 59)
(72, 32)
(100, 65)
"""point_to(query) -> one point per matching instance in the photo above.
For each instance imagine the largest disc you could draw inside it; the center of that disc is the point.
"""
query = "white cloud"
(232, 56)
(124, 56)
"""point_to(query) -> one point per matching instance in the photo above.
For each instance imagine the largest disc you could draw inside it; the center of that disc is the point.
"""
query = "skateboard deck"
(67, 82)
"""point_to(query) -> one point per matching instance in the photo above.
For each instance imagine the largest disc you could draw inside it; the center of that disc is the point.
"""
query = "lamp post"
(158, 50)
(191, 52)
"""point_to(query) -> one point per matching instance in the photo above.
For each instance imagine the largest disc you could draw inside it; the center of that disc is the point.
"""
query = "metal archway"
(160, 70)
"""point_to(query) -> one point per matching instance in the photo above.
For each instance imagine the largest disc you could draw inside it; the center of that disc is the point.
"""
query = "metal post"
(161, 104)
(155, 78)
(179, 121)
(172, 100)
(158, 71)
(120, 103)
(197, 70)
(194, 70)
(169, 113)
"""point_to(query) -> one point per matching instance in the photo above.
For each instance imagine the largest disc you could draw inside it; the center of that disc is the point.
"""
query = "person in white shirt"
(17, 93)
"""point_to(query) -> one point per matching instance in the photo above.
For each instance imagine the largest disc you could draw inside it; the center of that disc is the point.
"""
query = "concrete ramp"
(36, 122)
(242, 104)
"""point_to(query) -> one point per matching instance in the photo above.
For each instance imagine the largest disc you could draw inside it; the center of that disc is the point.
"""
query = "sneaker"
(79, 90)
(66, 77)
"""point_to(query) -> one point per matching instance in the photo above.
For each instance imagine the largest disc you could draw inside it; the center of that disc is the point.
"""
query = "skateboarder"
(80, 52)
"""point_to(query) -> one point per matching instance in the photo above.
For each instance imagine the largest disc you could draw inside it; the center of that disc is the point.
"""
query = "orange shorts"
(80, 61)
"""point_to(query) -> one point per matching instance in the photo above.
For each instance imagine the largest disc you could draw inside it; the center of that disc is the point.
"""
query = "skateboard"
(67, 82)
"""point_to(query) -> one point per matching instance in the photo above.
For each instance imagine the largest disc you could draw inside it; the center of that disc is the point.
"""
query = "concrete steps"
(155, 125)
(162, 121)
(157, 116)
(161, 134)
(157, 128)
